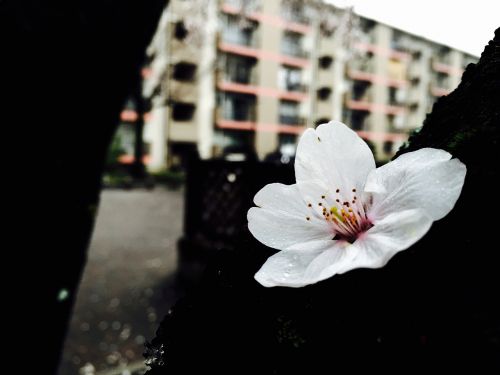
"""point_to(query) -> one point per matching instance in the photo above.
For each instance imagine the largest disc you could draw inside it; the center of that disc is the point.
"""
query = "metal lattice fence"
(217, 198)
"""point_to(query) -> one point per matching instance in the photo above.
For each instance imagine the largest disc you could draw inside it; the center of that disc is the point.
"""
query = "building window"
(184, 71)
(442, 80)
(358, 120)
(237, 30)
(290, 113)
(413, 106)
(367, 27)
(392, 96)
(295, 11)
(359, 89)
(290, 79)
(183, 111)
(399, 41)
(397, 96)
(325, 62)
(415, 81)
(291, 44)
(237, 107)
(180, 30)
(324, 93)
(396, 122)
(238, 68)
(443, 53)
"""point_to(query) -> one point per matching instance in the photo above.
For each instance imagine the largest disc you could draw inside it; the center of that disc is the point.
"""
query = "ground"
(127, 284)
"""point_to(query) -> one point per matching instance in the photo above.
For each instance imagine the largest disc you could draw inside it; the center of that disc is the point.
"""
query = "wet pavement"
(128, 283)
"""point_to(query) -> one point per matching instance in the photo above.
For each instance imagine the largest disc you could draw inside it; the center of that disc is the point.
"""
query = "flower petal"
(426, 179)
(394, 233)
(303, 265)
(281, 220)
(333, 155)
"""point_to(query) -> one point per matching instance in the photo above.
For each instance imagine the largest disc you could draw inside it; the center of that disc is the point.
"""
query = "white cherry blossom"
(343, 213)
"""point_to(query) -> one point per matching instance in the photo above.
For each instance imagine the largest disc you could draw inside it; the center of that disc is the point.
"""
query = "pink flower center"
(345, 213)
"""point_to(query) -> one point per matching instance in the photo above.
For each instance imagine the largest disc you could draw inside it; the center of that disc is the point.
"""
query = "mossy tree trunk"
(433, 307)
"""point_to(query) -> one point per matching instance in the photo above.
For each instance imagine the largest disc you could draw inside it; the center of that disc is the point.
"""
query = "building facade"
(261, 72)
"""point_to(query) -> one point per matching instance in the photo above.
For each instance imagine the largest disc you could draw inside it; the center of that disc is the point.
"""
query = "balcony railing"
(239, 77)
(236, 32)
(294, 15)
(361, 105)
(239, 37)
(292, 49)
(238, 72)
(439, 91)
(292, 120)
(444, 67)
(364, 64)
(293, 86)
(291, 44)
(237, 107)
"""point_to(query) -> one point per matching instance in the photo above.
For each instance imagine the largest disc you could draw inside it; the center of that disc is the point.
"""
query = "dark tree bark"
(69, 67)
(433, 307)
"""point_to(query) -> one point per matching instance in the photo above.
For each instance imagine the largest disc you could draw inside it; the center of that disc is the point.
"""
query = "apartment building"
(258, 75)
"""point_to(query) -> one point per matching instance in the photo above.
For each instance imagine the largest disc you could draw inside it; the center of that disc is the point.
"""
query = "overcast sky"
(463, 24)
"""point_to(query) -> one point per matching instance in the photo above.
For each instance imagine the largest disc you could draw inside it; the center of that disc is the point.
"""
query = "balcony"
(414, 96)
(238, 69)
(402, 42)
(236, 31)
(415, 72)
(240, 50)
(358, 120)
(290, 79)
(291, 45)
(362, 70)
(294, 12)
(363, 64)
(292, 120)
(441, 80)
(444, 67)
(289, 114)
(367, 28)
(361, 91)
(382, 51)
(368, 106)
(236, 107)
(439, 91)
(251, 11)
(397, 97)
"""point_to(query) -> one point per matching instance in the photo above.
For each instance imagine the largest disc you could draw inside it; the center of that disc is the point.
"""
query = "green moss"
(459, 139)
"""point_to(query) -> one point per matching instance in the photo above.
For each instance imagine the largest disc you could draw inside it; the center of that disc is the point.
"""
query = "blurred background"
(225, 91)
